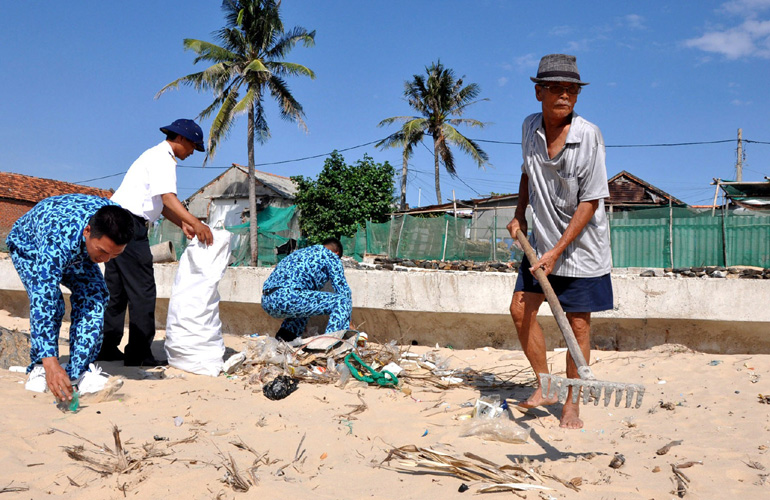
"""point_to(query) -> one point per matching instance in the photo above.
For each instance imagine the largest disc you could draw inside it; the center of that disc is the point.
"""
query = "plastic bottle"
(71, 405)
(344, 372)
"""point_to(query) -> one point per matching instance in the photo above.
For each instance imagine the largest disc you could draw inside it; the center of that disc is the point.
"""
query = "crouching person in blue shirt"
(61, 241)
(293, 290)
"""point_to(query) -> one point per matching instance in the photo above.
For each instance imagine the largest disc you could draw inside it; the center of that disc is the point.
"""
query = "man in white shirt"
(564, 180)
(148, 191)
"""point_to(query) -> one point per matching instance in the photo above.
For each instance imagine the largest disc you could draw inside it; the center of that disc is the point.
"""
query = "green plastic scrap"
(384, 378)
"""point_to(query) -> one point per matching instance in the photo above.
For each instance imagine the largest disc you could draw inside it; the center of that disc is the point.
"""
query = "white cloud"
(738, 102)
(746, 7)
(750, 39)
(527, 62)
(502, 81)
(560, 30)
(577, 46)
(635, 21)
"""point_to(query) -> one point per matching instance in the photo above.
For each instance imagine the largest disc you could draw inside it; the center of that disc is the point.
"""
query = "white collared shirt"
(557, 185)
(152, 175)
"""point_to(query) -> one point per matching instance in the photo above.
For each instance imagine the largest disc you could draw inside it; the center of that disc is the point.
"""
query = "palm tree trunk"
(403, 183)
(253, 226)
(435, 164)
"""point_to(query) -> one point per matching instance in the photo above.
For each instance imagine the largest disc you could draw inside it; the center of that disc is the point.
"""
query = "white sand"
(716, 414)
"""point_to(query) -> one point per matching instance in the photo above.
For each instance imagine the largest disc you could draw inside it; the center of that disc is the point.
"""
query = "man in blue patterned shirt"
(293, 290)
(61, 241)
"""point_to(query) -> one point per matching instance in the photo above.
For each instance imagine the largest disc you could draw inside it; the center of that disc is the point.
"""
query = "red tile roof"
(33, 189)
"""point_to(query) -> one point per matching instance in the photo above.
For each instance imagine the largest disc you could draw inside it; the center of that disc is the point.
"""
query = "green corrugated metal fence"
(679, 237)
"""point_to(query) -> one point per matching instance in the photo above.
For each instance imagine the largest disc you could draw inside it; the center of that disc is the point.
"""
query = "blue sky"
(79, 80)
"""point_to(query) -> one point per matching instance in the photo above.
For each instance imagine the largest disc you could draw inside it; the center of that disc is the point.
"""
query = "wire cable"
(294, 160)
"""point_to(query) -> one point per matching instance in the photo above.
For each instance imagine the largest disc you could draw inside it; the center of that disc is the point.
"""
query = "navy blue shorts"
(575, 294)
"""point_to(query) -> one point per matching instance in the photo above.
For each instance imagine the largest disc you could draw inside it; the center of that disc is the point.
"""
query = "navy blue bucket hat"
(558, 68)
(187, 129)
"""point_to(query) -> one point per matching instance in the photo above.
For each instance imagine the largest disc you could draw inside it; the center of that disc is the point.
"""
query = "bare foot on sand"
(537, 399)
(570, 417)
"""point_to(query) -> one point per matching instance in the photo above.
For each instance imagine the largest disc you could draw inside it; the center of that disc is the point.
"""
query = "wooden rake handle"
(561, 317)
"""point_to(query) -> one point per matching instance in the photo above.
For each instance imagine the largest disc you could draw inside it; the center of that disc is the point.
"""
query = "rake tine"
(586, 392)
(553, 388)
(596, 393)
(629, 397)
(608, 394)
(545, 385)
(618, 397)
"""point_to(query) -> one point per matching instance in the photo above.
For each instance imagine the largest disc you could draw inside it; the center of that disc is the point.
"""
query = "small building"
(226, 198)
(629, 192)
(19, 193)
(754, 196)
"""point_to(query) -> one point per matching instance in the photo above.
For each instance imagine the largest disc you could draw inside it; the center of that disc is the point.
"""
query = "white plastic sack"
(193, 329)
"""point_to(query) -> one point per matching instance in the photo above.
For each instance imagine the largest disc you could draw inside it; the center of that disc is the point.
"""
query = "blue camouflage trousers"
(296, 306)
(88, 299)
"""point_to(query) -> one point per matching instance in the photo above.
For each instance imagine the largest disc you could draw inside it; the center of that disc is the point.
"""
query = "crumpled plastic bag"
(269, 350)
(280, 387)
(497, 429)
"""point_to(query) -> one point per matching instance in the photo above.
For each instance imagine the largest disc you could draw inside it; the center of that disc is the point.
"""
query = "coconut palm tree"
(438, 98)
(406, 138)
(247, 65)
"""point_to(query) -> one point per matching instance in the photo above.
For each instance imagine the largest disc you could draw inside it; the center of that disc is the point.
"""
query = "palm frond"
(393, 119)
(415, 126)
(244, 104)
(459, 109)
(218, 101)
(257, 66)
(220, 76)
(223, 122)
(445, 154)
(207, 51)
(468, 122)
(290, 109)
(283, 45)
(467, 146)
(261, 128)
(292, 69)
(193, 80)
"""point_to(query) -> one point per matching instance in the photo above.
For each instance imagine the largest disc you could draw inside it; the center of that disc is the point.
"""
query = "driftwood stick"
(119, 453)
(666, 448)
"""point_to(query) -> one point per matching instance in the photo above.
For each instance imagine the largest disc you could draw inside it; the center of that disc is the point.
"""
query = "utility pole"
(739, 163)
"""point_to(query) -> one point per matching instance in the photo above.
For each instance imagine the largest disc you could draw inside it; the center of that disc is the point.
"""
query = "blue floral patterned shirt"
(49, 239)
(309, 269)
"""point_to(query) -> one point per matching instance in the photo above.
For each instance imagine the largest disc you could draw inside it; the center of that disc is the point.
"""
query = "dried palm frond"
(413, 459)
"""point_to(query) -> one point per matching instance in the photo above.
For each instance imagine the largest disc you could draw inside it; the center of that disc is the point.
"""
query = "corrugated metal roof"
(282, 185)
(754, 195)
(636, 191)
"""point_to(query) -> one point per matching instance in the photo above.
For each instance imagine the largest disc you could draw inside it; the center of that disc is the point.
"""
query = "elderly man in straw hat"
(564, 180)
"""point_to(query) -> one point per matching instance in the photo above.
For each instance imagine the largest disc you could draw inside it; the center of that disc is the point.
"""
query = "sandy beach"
(191, 436)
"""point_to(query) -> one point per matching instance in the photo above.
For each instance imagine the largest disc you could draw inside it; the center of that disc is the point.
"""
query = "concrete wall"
(468, 309)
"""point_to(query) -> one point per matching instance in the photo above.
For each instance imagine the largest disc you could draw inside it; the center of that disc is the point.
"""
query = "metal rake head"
(553, 385)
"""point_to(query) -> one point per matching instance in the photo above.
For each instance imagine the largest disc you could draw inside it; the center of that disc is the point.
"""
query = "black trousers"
(131, 283)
